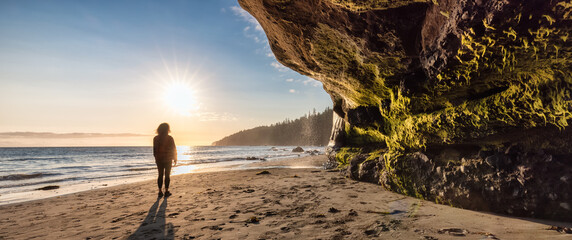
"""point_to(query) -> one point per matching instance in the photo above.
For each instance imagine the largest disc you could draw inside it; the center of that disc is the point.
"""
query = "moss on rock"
(366, 5)
(412, 78)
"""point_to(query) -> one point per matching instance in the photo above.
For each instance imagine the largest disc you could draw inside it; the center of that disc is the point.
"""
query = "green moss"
(445, 14)
(399, 178)
(375, 155)
(344, 155)
(360, 80)
(536, 91)
(522, 80)
(365, 5)
(442, 200)
(357, 136)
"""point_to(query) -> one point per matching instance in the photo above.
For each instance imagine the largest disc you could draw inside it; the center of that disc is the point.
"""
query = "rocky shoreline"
(497, 181)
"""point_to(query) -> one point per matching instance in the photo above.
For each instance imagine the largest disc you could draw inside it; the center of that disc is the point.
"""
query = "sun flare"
(180, 97)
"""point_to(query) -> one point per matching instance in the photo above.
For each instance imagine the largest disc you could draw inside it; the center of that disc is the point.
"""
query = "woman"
(165, 153)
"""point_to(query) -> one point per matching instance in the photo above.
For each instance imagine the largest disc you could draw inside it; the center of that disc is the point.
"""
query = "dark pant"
(164, 168)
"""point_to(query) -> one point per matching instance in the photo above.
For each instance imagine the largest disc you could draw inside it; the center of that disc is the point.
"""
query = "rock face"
(461, 102)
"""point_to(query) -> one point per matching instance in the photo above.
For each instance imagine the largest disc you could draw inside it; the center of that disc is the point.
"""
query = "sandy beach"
(288, 202)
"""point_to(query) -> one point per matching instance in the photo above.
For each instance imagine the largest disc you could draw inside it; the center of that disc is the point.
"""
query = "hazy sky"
(119, 68)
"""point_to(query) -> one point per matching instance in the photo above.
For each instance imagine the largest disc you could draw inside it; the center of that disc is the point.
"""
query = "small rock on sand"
(298, 149)
(352, 213)
(51, 187)
(333, 210)
(561, 229)
(252, 220)
(453, 231)
(263, 172)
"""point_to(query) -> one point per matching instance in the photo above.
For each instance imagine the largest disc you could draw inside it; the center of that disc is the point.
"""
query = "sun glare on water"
(180, 98)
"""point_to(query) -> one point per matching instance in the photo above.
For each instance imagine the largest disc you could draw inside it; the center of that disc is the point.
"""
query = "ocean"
(24, 171)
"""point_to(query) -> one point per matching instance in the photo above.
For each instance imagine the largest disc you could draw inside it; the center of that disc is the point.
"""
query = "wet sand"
(286, 203)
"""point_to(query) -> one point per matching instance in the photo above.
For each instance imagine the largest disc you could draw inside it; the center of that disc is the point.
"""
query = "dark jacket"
(164, 148)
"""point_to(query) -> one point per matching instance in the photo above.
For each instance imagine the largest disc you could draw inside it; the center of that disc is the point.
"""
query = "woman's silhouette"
(165, 153)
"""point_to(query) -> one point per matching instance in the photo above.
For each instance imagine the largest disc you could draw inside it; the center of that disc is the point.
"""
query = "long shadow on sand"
(154, 226)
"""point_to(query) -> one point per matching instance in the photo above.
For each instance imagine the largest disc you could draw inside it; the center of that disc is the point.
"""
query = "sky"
(107, 73)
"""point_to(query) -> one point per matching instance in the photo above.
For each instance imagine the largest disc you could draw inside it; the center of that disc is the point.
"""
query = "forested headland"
(312, 129)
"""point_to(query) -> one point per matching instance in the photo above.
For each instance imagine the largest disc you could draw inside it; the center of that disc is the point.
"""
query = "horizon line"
(30, 134)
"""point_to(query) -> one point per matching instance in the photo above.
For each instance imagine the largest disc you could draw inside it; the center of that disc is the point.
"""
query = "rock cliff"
(466, 103)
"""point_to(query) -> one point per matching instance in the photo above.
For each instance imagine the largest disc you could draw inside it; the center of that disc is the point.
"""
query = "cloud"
(238, 11)
(312, 82)
(279, 66)
(213, 116)
(306, 81)
(292, 91)
(253, 31)
(52, 135)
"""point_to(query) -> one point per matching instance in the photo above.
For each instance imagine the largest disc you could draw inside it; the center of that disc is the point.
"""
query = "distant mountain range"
(312, 129)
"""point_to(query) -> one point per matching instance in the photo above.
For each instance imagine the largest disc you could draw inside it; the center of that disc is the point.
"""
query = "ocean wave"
(37, 183)
(17, 177)
(75, 167)
(214, 160)
(237, 158)
(129, 156)
(115, 176)
(36, 159)
(141, 169)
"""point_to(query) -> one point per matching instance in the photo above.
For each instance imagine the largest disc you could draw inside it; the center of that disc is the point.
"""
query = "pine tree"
(312, 129)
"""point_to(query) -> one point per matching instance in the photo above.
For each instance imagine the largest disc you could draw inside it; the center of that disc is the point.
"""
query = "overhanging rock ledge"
(465, 103)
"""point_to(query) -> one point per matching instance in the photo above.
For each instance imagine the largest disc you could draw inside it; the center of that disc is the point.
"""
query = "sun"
(180, 98)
